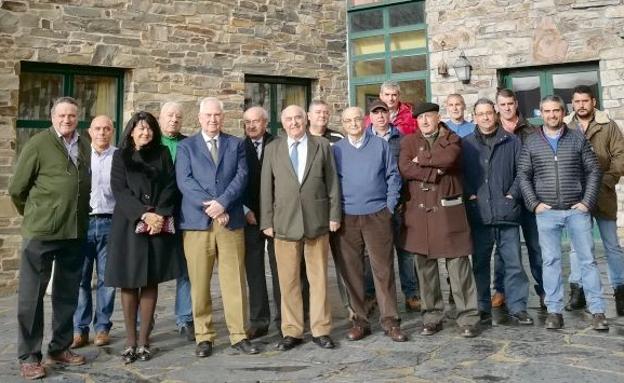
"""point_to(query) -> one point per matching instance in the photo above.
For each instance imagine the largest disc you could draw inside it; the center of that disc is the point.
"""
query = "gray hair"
(553, 98)
(456, 95)
(484, 101)
(210, 100)
(262, 111)
(64, 100)
(390, 84)
(317, 102)
(171, 104)
(352, 108)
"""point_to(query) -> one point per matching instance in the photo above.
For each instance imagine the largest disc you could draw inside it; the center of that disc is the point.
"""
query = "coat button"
(146, 196)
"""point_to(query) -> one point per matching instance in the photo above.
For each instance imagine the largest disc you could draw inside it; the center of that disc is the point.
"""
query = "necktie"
(257, 146)
(214, 151)
(294, 157)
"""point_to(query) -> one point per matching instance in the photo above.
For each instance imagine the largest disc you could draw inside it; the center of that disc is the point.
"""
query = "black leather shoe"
(246, 347)
(431, 328)
(203, 349)
(323, 341)
(553, 321)
(257, 332)
(468, 331)
(288, 342)
(522, 318)
(485, 318)
(187, 330)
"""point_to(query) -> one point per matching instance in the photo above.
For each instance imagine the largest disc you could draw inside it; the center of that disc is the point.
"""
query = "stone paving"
(502, 353)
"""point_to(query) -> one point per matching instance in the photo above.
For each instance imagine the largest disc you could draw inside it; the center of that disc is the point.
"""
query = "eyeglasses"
(350, 121)
(483, 114)
(250, 122)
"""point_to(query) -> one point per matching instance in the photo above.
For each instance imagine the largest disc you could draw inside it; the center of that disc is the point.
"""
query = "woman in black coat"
(140, 257)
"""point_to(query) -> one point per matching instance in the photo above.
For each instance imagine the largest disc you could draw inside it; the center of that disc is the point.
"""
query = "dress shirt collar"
(72, 141)
(104, 152)
(302, 140)
(207, 139)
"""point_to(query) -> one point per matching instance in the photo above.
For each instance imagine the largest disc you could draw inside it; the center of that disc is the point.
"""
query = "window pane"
(365, 94)
(258, 94)
(355, 3)
(407, 14)
(366, 20)
(37, 93)
(527, 91)
(97, 95)
(368, 45)
(414, 91)
(409, 63)
(564, 83)
(408, 40)
(369, 67)
(289, 95)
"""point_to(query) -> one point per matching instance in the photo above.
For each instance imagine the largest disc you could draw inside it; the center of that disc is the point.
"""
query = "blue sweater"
(369, 176)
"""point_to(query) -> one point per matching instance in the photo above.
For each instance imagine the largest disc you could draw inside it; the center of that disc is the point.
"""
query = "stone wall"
(171, 50)
(503, 34)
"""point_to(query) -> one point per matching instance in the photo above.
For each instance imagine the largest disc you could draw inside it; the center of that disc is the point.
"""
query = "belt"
(101, 216)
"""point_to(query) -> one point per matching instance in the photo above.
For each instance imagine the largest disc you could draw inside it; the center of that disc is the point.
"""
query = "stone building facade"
(168, 50)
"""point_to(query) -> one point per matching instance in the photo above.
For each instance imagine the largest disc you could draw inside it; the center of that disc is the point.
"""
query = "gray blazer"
(294, 210)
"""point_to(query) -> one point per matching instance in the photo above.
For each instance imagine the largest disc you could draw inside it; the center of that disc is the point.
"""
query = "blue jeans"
(613, 252)
(94, 249)
(507, 241)
(183, 306)
(405, 260)
(550, 224)
(531, 241)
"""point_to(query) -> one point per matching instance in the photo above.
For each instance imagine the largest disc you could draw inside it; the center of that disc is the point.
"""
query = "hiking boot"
(554, 321)
(599, 322)
(498, 299)
(577, 298)
(412, 304)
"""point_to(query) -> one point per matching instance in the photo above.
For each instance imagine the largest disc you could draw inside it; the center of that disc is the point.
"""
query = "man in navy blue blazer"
(211, 171)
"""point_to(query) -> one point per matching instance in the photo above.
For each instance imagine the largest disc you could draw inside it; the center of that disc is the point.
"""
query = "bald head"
(101, 133)
(294, 121)
(170, 119)
(353, 122)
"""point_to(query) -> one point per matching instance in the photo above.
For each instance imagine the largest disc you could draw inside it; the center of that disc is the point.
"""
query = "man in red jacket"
(400, 113)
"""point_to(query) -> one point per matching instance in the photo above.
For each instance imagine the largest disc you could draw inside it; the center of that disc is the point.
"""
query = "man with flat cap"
(435, 219)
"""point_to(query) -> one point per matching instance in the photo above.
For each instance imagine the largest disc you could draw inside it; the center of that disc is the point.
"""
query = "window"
(276, 93)
(532, 84)
(98, 91)
(387, 41)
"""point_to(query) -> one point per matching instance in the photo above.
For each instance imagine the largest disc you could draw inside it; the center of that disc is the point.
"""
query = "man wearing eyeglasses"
(494, 204)
(50, 188)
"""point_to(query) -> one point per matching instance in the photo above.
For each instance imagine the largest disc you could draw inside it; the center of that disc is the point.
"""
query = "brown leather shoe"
(32, 371)
(66, 358)
(102, 339)
(80, 340)
(358, 332)
(396, 334)
(412, 304)
(498, 299)
(431, 328)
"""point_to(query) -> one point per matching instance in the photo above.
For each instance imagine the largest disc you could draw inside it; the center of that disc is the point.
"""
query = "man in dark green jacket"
(50, 188)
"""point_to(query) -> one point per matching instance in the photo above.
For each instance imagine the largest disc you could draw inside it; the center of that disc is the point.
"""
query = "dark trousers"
(259, 312)
(531, 240)
(373, 231)
(35, 270)
(462, 283)
(507, 241)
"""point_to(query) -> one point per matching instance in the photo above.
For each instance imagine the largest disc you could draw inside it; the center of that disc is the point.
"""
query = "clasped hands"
(154, 222)
(216, 211)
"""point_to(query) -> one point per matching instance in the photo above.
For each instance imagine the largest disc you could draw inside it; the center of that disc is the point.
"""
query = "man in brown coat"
(435, 219)
(608, 144)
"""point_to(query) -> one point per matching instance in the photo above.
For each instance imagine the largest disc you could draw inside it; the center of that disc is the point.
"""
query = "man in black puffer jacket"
(493, 205)
(560, 178)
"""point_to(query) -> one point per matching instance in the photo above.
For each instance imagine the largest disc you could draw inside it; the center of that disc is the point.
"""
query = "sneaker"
(498, 299)
(80, 340)
(554, 321)
(412, 304)
(599, 322)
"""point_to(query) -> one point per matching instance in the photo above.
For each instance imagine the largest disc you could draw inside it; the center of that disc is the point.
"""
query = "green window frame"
(546, 75)
(68, 73)
(273, 85)
(386, 31)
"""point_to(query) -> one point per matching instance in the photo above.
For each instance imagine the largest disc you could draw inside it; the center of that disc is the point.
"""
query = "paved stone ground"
(501, 354)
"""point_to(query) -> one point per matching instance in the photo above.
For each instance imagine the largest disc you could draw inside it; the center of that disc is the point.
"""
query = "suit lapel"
(222, 145)
(284, 149)
(312, 149)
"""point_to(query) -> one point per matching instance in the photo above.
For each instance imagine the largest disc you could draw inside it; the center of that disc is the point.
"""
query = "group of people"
(164, 206)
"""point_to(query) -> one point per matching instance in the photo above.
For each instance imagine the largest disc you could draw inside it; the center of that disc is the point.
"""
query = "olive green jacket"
(608, 144)
(49, 190)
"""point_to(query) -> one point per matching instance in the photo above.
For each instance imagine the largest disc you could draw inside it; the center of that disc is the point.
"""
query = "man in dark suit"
(256, 121)
(300, 205)
(211, 171)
